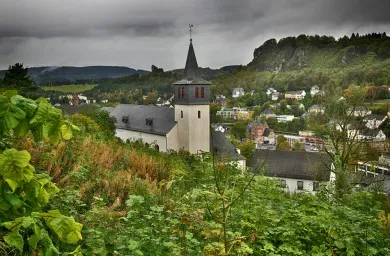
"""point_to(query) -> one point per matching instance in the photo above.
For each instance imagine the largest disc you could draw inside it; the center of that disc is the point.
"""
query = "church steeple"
(191, 71)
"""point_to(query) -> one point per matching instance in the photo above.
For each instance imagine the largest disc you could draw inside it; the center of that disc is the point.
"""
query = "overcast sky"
(139, 33)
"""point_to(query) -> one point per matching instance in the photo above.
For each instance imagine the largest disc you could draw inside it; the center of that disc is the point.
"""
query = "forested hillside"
(67, 75)
(288, 64)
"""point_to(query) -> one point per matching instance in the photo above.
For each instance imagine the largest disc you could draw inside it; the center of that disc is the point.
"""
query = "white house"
(270, 91)
(315, 90)
(374, 121)
(238, 92)
(359, 111)
(295, 95)
(315, 109)
(284, 118)
(295, 171)
(359, 131)
(276, 96)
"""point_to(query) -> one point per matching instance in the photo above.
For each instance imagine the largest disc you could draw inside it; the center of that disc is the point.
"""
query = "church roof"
(223, 148)
(191, 71)
(133, 117)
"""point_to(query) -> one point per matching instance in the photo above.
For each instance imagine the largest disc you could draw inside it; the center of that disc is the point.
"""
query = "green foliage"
(72, 88)
(16, 77)
(239, 130)
(23, 192)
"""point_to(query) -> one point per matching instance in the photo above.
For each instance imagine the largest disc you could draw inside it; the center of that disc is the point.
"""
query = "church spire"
(191, 71)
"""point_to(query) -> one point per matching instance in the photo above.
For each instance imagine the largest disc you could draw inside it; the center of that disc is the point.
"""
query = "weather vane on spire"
(190, 25)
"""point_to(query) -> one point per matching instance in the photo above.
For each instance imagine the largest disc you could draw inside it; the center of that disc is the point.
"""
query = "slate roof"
(163, 118)
(292, 164)
(295, 92)
(268, 112)
(223, 148)
(267, 131)
(374, 116)
(191, 70)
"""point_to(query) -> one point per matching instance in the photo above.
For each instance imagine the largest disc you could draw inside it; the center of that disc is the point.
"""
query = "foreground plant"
(24, 225)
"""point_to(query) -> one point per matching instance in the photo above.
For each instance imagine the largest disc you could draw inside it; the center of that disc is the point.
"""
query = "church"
(186, 126)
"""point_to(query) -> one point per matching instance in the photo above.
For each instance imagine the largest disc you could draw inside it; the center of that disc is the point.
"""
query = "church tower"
(192, 107)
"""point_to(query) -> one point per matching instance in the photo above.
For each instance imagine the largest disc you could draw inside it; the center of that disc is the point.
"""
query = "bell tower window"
(196, 92)
(202, 93)
(182, 92)
(178, 93)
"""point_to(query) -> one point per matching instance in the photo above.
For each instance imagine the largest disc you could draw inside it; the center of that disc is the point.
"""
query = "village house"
(260, 133)
(294, 170)
(374, 121)
(359, 131)
(316, 109)
(295, 95)
(220, 100)
(238, 92)
(360, 111)
(315, 90)
(230, 112)
(268, 113)
(226, 152)
(270, 91)
(244, 115)
(284, 118)
(276, 96)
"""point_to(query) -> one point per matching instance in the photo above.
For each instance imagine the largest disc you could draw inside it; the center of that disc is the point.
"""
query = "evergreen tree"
(353, 36)
(16, 77)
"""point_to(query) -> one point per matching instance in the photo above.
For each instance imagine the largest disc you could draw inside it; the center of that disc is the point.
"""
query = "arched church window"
(199, 114)
(181, 114)
(196, 92)
(202, 93)
(182, 92)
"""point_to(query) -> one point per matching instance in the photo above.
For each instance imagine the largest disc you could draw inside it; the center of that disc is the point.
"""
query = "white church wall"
(161, 141)
(172, 139)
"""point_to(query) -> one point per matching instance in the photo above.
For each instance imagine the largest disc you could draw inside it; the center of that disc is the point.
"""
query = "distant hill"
(67, 75)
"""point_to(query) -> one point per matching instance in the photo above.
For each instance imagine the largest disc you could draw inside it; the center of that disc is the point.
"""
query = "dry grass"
(100, 169)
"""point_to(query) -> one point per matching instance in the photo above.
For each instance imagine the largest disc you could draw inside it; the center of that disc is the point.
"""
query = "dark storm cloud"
(65, 27)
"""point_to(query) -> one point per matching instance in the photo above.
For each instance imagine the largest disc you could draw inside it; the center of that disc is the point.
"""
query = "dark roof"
(292, 164)
(374, 116)
(370, 132)
(267, 131)
(268, 112)
(295, 92)
(191, 71)
(163, 118)
(223, 148)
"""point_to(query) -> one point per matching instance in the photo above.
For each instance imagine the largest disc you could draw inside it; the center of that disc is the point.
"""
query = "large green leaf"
(15, 168)
(46, 122)
(15, 239)
(65, 227)
(10, 115)
(27, 105)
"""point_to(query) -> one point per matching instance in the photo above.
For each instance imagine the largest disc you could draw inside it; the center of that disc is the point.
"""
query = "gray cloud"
(139, 33)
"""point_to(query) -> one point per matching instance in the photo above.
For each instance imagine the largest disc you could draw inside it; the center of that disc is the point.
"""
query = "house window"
(182, 92)
(202, 93)
(282, 183)
(196, 92)
(181, 114)
(198, 114)
(178, 93)
(316, 186)
(300, 185)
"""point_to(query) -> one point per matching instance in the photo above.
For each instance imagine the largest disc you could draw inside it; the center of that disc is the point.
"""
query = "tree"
(16, 77)
(282, 143)
(337, 123)
(247, 149)
(239, 130)
(298, 146)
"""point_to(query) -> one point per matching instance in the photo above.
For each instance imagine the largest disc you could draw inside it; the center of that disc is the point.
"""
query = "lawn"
(383, 102)
(72, 88)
